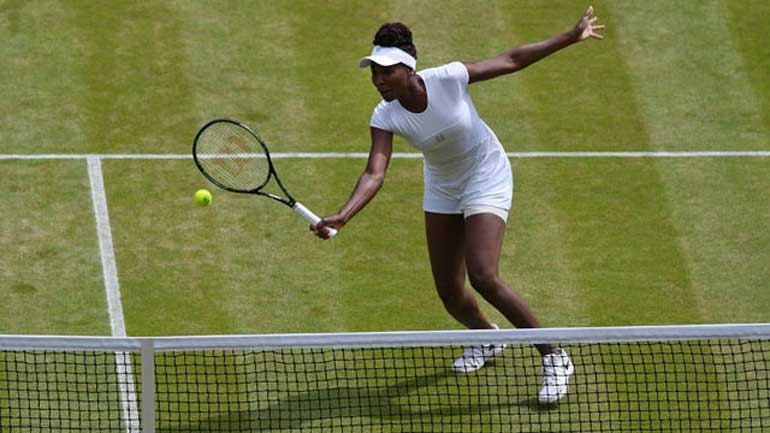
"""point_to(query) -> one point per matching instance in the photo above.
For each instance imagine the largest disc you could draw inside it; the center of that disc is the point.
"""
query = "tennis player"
(467, 175)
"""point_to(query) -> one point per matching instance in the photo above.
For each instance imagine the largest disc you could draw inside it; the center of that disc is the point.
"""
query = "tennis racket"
(235, 158)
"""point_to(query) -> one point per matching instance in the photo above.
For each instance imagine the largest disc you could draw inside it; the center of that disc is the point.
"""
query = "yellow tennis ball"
(203, 197)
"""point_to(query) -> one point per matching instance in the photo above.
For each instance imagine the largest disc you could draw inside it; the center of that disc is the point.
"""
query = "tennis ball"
(203, 197)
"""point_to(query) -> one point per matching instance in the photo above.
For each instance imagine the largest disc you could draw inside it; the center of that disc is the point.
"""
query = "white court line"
(406, 155)
(104, 231)
(126, 381)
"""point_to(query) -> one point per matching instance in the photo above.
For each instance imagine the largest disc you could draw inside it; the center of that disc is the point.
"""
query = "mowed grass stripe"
(51, 273)
(571, 101)
(697, 54)
(617, 232)
(536, 258)
(134, 95)
(753, 45)
(688, 77)
(721, 212)
(39, 78)
(620, 239)
(243, 64)
(338, 96)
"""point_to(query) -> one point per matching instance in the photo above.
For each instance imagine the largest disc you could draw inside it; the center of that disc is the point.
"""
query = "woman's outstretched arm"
(520, 57)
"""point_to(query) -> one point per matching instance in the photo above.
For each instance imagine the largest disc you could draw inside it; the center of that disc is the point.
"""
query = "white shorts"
(482, 186)
(474, 210)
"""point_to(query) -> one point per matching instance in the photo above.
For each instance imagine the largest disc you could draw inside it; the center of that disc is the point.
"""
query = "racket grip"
(312, 218)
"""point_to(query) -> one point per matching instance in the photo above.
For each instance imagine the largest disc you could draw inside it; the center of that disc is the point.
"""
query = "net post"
(148, 385)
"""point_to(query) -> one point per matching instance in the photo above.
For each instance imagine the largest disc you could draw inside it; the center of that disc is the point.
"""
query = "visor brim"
(380, 60)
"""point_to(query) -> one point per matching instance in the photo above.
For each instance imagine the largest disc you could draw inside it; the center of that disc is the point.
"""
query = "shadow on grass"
(416, 401)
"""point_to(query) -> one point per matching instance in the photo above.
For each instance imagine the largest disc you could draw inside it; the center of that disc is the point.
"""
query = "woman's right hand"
(366, 187)
(321, 229)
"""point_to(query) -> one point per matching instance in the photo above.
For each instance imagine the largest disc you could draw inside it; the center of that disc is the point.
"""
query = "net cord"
(390, 339)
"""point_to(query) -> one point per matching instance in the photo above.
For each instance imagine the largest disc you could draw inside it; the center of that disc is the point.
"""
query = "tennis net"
(707, 378)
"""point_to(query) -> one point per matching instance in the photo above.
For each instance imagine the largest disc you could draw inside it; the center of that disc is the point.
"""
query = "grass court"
(591, 241)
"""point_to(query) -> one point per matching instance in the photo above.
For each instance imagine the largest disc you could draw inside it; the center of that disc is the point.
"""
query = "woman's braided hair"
(395, 35)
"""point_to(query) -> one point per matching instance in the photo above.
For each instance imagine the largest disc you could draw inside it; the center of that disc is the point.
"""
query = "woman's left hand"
(586, 27)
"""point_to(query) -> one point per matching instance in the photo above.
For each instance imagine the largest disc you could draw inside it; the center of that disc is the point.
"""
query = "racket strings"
(233, 157)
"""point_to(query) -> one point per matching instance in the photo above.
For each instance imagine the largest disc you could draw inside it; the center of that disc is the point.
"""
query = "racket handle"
(312, 218)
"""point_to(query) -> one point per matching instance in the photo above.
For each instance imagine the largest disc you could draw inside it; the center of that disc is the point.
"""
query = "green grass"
(51, 270)
(590, 242)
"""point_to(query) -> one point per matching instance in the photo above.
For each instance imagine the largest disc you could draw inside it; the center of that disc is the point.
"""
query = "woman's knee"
(486, 283)
(454, 297)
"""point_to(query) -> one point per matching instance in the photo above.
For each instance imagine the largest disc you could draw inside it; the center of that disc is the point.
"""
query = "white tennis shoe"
(474, 357)
(557, 369)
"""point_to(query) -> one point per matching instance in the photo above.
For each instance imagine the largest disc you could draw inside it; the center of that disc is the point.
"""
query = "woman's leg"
(483, 242)
(445, 235)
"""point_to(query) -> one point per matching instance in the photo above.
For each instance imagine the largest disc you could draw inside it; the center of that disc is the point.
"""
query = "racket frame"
(290, 201)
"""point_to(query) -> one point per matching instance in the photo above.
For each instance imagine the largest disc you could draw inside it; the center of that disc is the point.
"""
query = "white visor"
(388, 56)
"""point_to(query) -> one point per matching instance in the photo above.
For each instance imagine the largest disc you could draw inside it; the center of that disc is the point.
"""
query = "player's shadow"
(399, 402)
(535, 406)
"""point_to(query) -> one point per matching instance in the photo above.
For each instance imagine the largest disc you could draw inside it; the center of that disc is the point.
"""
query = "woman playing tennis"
(467, 175)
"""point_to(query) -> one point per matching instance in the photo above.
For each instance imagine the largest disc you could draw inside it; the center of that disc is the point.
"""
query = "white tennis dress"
(464, 163)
